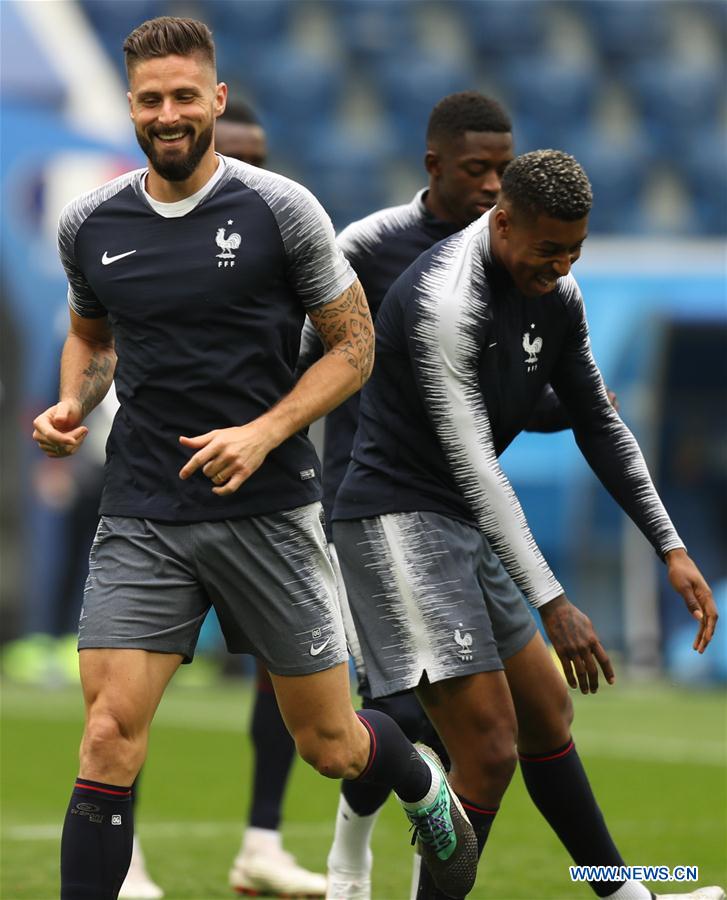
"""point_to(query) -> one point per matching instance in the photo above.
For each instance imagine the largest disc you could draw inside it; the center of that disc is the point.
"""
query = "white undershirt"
(182, 207)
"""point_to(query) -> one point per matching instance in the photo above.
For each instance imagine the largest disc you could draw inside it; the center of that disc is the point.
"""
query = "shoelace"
(433, 828)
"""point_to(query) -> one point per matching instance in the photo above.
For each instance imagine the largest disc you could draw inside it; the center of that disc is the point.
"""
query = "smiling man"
(467, 338)
(189, 281)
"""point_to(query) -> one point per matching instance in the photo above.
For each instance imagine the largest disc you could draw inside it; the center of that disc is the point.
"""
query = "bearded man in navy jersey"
(188, 285)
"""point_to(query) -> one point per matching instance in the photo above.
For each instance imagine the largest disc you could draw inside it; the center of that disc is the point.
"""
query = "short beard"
(178, 169)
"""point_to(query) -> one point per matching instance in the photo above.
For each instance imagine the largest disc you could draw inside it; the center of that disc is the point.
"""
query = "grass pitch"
(656, 756)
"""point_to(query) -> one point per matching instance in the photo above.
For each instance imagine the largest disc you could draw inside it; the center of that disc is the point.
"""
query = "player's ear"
(502, 220)
(131, 107)
(220, 98)
(432, 163)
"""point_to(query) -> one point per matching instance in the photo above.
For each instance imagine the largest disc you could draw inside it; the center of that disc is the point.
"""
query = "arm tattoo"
(346, 329)
(98, 374)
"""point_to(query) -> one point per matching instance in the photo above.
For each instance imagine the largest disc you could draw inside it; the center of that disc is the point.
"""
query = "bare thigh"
(317, 712)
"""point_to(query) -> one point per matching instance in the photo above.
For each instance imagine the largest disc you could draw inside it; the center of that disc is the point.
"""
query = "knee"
(328, 750)
(547, 726)
(110, 746)
(491, 758)
(499, 759)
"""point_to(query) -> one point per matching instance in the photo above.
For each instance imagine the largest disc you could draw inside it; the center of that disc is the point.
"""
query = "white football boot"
(349, 885)
(263, 867)
(137, 884)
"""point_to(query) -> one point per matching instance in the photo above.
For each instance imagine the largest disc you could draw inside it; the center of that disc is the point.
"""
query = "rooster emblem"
(532, 349)
(227, 245)
(465, 644)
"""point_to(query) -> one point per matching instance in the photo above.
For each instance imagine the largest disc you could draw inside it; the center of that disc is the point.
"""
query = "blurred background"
(635, 89)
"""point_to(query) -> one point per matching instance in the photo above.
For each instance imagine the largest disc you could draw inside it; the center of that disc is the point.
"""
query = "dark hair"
(466, 111)
(167, 36)
(240, 113)
(549, 182)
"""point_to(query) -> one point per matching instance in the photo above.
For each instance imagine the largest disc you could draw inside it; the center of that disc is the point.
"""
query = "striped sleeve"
(363, 238)
(81, 297)
(317, 268)
(445, 333)
(606, 442)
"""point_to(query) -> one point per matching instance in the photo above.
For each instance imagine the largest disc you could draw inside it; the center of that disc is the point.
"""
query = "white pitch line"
(168, 830)
(651, 748)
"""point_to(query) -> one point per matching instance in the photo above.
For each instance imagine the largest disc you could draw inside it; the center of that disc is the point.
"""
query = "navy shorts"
(269, 578)
(428, 597)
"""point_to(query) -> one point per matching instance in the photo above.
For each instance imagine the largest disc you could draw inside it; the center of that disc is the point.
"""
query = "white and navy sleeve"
(81, 297)
(317, 269)
(607, 444)
(445, 331)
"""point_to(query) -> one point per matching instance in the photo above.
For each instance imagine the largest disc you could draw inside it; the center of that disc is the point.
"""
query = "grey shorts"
(269, 578)
(428, 597)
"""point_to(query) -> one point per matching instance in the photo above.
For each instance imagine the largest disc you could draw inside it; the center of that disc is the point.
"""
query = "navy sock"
(481, 820)
(393, 762)
(98, 833)
(404, 708)
(274, 754)
(363, 797)
(558, 786)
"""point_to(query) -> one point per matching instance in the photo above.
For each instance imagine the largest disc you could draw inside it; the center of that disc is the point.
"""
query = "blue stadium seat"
(705, 173)
(250, 20)
(113, 21)
(409, 86)
(374, 31)
(547, 96)
(501, 31)
(349, 178)
(243, 31)
(675, 98)
(294, 94)
(624, 32)
(716, 13)
(618, 169)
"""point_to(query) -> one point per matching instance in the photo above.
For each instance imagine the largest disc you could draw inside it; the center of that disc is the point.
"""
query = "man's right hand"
(58, 431)
(576, 643)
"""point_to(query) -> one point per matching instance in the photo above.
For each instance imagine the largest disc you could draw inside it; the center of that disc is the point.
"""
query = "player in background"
(188, 285)
(467, 338)
(262, 865)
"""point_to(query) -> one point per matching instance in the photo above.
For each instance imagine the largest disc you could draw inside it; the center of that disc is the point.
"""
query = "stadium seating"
(513, 50)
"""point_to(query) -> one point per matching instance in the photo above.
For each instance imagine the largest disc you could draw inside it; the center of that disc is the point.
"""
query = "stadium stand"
(634, 90)
(514, 50)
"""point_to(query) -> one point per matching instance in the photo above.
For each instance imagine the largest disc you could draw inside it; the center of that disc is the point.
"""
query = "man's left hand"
(687, 580)
(227, 456)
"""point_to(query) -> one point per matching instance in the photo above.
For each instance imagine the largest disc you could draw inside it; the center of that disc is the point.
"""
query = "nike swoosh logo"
(107, 260)
(314, 651)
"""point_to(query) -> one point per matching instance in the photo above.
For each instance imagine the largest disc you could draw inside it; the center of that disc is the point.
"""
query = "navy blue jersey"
(379, 247)
(206, 301)
(462, 359)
